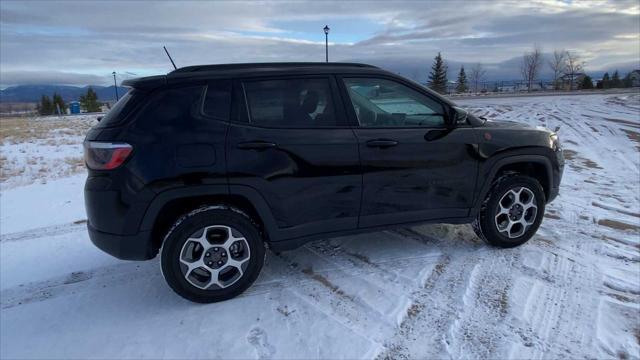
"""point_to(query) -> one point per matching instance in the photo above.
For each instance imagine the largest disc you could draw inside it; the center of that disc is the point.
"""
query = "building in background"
(572, 81)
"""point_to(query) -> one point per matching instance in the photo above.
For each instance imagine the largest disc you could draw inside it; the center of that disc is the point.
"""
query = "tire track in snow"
(436, 304)
(322, 295)
(548, 283)
(46, 231)
(556, 300)
(368, 306)
(77, 282)
(74, 283)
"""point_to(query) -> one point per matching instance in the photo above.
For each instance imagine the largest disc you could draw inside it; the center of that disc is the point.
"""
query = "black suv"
(211, 164)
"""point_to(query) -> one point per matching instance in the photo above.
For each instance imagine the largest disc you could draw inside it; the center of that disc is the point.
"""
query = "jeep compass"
(209, 165)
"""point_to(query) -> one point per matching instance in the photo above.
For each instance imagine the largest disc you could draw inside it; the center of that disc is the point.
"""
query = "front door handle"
(382, 143)
(256, 145)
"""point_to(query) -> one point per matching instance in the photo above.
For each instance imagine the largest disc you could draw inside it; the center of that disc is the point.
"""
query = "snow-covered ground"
(573, 291)
(42, 148)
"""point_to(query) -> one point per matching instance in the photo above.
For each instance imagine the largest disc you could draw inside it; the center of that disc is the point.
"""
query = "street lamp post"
(115, 85)
(326, 43)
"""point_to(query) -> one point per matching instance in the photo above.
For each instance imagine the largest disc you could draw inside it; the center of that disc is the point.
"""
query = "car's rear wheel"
(212, 254)
(511, 212)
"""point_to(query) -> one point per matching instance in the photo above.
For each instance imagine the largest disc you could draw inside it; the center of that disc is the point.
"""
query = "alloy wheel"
(516, 212)
(214, 257)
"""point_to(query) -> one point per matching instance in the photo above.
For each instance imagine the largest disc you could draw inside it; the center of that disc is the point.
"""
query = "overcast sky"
(82, 42)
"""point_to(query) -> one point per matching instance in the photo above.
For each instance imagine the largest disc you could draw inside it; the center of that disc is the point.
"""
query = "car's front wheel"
(212, 254)
(511, 212)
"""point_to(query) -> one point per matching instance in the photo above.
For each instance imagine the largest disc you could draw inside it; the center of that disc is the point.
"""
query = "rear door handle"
(382, 143)
(256, 145)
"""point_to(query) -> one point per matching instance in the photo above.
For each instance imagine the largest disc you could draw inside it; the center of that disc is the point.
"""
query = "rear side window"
(121, 109)
(217, 100)
(169, 108)
(292, 103)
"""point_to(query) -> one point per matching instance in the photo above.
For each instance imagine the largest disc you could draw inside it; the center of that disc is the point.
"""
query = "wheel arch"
(537, 166)
(168, 206)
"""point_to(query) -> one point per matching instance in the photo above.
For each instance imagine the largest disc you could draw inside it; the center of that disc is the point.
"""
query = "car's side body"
(297, 183)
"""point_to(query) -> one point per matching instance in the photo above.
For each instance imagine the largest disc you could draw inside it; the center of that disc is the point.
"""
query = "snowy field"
(573, 291)
(41, 149)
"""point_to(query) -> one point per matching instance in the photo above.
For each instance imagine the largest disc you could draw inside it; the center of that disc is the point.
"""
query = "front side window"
(292, 103)
(386, 103)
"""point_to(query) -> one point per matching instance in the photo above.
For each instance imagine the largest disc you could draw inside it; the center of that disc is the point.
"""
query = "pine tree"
(39, 105)
(462, 82)
(615, 80)
(58, 103)
(606, 81)
(45, 107)
(587, 83)
(89, 102)
(438, 75)
(627, 82)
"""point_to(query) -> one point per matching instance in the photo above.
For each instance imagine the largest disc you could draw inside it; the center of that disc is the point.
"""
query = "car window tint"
(121, 109)
(169, 108)
(386, 103)
(294, 103)
(217, 100)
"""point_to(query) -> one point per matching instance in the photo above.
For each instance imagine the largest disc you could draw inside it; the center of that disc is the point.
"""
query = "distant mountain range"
(33, 93)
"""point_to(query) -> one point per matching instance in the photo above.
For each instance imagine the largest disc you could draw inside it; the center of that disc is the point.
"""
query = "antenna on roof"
(172, 63)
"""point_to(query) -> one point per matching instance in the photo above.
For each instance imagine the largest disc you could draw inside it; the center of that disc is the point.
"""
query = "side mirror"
(99, 118)
(459, 115)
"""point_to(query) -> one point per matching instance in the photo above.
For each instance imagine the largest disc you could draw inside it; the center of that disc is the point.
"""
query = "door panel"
(416, 179)
(307, 171)
(414, 167)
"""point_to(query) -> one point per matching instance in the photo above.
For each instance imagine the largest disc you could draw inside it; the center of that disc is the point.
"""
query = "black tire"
(485, 224)
(194, 222)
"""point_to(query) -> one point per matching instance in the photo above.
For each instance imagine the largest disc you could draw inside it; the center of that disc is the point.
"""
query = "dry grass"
(50, 129)
(36, 149)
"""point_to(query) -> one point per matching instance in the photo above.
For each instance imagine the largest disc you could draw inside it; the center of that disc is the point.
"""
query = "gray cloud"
(49, 77)
(97, 37)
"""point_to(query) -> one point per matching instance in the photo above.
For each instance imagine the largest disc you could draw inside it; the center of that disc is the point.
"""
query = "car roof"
(266, 69)
(268, 66)
(218, 71)
(200, 72)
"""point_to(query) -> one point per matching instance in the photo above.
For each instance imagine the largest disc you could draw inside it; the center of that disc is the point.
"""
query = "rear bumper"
(114, 220)
(125, 247)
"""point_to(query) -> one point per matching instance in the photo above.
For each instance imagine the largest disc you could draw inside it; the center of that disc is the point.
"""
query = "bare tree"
(476, 75)
(557, 65)
(531, 65)
(573, 67)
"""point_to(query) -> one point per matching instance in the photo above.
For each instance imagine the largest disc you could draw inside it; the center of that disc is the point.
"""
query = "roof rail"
(198, 68)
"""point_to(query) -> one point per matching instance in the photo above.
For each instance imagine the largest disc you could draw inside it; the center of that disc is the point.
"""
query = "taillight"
(105, 155)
